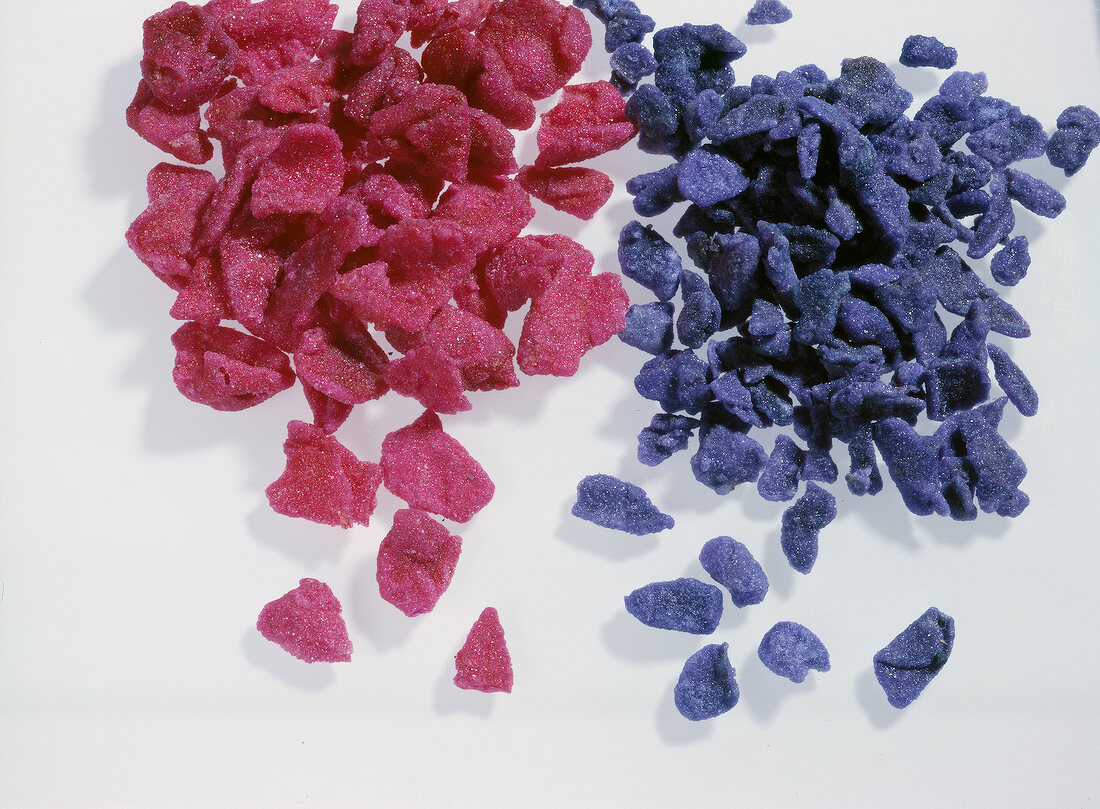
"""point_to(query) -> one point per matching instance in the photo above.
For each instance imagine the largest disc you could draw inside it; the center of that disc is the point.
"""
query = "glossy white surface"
(136, 547)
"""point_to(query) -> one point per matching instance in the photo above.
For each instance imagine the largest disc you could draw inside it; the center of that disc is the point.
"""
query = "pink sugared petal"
(307, 623)
(483, 662)
(416, 561)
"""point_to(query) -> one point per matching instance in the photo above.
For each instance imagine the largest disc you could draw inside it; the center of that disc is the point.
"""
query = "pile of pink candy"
(371, 200)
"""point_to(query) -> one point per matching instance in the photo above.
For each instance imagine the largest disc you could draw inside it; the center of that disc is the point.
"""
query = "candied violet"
(616, 504)
(1077, 135)
(707, 686)
(733, 566)
(727, 458)
(666, 434)
(649, 327)
(681, 605)
(647, 258)
(801, 524)
(768, 12)
(1013, 382)
(906, 665)
(924, 51)
(791, 650)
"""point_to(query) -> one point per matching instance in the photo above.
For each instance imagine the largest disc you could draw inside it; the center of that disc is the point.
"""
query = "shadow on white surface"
(271, 658)
(300, 540)
(591, 538)
(781, 576)
(872, 699)
(385, 625)
(629, 639)
(450, 699)
(674, 729)
(763, 692)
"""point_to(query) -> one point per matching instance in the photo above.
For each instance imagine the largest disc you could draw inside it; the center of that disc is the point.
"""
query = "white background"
(136, 546)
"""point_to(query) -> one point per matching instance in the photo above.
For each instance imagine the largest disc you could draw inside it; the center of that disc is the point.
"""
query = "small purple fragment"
(649, 327)
(727, 458)
(1077, 135)
(616, 504)
(681, 605)
(1035, 195)
(923, 51)
(768, 12)
(1011, 263)
(909, 662)
(707, 178)
(733, 566)
(779, 479)
(647, 258)
(801, 524)
(708, 684)
(1013, 382)
(791, 650)
(666, 434)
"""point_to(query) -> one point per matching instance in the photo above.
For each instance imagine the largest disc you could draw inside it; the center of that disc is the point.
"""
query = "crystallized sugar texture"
(707, 686)
(483, 662)
(909, 662)
(791, 650)
(684, 605)
(416, 561)
(613, 503)
(307, 623)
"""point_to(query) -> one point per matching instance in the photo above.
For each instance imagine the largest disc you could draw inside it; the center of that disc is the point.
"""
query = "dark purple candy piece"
(645, 257)
(700, 315)
(613, 503)
(707, 686)
(768, 12)
(707, 178)
(666, 434)
(911, 660)
(727, 458)
(682, 605)
(1011, 263)
(1035, 195)
(791, 650)
(649, 327)
(1013, 382)
(676, 379)
(733, 566)
(1077, 135)
(922, 51)
(801, 524)
(779, 479)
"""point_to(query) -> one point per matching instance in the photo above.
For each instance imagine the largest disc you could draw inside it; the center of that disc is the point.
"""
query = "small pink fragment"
(172, 131)
(431, 377)
(328, 414)
(575, 190)
(307, 622)
(429, 129)
(433, 18)
(542, 42)
(303, 175)
(588, 121)
(226, 369)
(202, 298)
(323, 481)
(344, 363)
(274, 34)
(416, 561)
(493, 211)
(483, 662)
(525, 267)
(186, 57)
(249, 272)
(299, 89)
(492, 146)
(482, 353)
(577, 312)
(430, 470)
(379, 24)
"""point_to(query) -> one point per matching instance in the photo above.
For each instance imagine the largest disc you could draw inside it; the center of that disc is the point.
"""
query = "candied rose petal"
(483, 662)
(542, 42)
(172, 131)
(202, 298)
(378, 26)
(524, 268)
(482, 352)
(575, 190)
(588, 121)
(249, 272)
(492, 210)
(386, 83)
(165, 233)
(430, 19)
(303, 174)
(300, 88)
(274, 34)
(323, 481)
(226, 369)
(308, 623)
(431, 377)
(492, 146)
(232, 190)
(429, 129)
(472, 296)
(347, 366)
(577, 312)
(460, 59)
(430, 470)
(236, 117)
(186, 57)
(421, 263)
(416, 561)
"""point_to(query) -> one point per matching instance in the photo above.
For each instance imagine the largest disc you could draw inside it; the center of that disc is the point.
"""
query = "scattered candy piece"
(613, 503)
(801, 524)
(909, 662)
(922, 51)
(483, 662)
(733, 566)
(307, 623)
(707, 686)
(683, 605)
(768, 12)
(791, 650)
(430, 470)
(416, 561)
(575, 190)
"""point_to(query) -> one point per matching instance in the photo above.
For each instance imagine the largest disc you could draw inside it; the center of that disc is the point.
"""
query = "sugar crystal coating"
(801, 524)
(682, 605)
(416, 561)
(323, 481)
(906, 665)
(612, 503)
(791, 650)
(707, 686)
(924, 51)
(431, 471)
(308, 624)
(483, 662)
(733, 566)
(575, 190)
(768, 12)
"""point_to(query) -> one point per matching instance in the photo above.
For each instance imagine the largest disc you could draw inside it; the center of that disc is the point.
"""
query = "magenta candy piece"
(483, 662)
(307, 623)
(416, 561)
